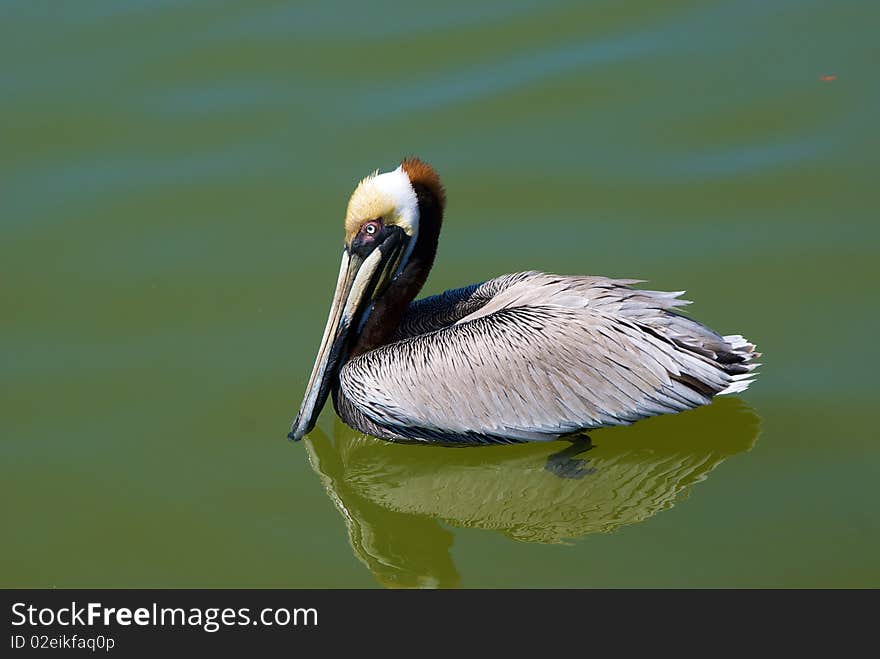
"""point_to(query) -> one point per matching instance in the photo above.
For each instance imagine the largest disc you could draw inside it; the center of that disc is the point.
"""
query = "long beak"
(359, 281)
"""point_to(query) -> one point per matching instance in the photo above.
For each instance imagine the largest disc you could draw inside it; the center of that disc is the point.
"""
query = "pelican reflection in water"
(399, 502)
(523, 357)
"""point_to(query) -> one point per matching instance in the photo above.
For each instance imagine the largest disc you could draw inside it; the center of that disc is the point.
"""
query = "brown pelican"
(523, 357)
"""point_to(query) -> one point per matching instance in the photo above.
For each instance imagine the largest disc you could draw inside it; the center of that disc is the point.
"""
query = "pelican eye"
(371, 228)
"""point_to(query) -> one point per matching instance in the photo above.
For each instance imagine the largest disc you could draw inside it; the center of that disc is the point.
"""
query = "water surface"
(174, 177)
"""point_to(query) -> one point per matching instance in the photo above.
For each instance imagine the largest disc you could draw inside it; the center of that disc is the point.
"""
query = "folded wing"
(534, 356)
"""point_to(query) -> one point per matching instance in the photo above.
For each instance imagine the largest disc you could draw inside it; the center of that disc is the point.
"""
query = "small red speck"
(828, 78)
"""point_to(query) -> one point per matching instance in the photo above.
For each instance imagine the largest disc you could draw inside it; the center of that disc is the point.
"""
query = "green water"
(173, 177)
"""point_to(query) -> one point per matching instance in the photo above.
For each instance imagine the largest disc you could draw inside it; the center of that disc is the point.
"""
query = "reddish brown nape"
(390, 308)
(421, 173)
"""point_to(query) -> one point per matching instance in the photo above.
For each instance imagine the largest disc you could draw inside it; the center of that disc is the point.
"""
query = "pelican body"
(528, 356)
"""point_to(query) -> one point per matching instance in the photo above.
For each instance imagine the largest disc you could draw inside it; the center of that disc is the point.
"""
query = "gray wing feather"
(534, 356)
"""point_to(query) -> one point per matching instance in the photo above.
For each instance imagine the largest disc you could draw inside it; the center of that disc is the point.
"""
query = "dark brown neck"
(390, 307)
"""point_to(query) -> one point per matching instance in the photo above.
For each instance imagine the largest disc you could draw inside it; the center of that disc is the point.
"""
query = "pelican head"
(391, 227)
